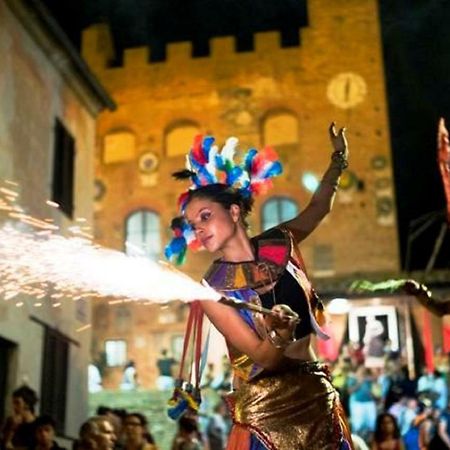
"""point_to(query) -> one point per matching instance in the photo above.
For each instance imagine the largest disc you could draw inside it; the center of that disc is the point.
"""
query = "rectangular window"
(63, 169)
(7, 350)
(54, 377)
(116, 353)
(323, 261)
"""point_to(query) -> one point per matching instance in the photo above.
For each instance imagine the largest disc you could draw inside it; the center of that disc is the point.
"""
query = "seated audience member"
(44, 432)
(188, 436)
(18, 431)
(136, 434)
(96, 433)
(387, 434)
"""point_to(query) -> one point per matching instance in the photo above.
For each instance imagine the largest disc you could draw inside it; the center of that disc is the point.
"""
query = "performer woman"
(283, 398)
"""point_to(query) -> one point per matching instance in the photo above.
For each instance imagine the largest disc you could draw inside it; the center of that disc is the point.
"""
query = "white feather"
(229, 149)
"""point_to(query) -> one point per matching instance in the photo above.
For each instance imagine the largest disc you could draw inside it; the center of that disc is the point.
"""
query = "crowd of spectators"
(391, 408)
(388, 408)
(109, 429)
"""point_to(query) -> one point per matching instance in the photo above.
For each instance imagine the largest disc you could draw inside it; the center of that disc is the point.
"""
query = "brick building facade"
(285, 97)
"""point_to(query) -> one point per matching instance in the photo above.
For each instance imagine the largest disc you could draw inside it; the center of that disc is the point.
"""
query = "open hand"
(412, 287)
(338, 139)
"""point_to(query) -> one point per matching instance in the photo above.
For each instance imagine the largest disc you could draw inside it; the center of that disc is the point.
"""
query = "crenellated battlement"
(178, 52)
(97, 46)
(98, 50)
(136, 57)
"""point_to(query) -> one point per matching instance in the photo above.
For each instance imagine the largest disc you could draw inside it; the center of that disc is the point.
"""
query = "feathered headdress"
(205, 165)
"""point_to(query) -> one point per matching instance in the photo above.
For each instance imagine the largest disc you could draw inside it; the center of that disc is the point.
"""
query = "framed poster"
(375, 328)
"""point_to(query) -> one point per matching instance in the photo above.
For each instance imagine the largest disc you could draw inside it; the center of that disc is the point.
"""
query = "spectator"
(407, 416)
(218, 427)
(188, 436)
(441, 390)
(363, 409)
(18, 431)
(441, 439)
(420, 433)
(136, 434)
(400, 386)
(86, 437)
(115, 417)
(425, 382)
(387, 434)
(165, 366)
(44, 432)
(96, 433)
(94, 379)
(129, 377)
(427, 428)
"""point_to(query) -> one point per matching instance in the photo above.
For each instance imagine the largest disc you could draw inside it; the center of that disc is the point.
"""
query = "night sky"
(416, 45)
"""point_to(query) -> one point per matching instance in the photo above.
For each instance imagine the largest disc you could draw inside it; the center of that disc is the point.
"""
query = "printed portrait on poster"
(375, 328)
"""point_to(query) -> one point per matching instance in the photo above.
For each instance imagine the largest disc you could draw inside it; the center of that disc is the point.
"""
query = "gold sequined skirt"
(295, 410)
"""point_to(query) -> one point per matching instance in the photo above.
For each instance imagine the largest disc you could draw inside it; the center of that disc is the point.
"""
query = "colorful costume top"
(277, 260)
(297, 407)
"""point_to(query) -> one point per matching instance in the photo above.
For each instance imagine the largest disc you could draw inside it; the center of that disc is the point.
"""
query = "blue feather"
(249, 158)
(234, 174)
(208, 141)
(175, 246)
(272, 170)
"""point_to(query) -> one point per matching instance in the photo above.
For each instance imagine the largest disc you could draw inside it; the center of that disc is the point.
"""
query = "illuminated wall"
(285, 97)
(40, 88)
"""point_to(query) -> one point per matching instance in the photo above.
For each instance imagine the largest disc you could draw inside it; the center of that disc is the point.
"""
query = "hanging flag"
(443, 158)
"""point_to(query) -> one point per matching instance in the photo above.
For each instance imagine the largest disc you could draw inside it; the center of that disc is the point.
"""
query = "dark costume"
(296, 407)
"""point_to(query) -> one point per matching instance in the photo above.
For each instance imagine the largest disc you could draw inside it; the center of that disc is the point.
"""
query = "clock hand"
(347, 89)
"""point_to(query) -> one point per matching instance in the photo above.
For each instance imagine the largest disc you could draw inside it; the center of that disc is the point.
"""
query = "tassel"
(320, 314)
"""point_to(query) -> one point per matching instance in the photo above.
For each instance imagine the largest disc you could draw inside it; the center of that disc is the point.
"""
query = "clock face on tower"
(346, 90)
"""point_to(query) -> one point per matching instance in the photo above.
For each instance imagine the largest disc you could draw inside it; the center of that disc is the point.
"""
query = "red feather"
(270, 154)
(195, 245)
(197, 150)
(257, 163)
(182, 198)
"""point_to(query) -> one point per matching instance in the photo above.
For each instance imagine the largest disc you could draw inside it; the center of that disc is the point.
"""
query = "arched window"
(142, 234)
(179, 137)
(119, 146)
(280, 128)
(277, 210)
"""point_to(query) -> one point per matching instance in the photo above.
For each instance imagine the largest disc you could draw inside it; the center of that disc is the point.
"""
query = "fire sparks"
(38, 262)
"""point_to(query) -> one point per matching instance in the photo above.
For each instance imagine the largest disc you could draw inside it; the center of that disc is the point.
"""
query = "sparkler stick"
(240, 304)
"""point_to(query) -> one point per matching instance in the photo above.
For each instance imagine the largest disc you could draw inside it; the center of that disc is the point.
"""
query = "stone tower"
(284, 97)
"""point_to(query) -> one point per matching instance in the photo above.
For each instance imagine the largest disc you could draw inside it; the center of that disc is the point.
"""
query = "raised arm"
(322, 200)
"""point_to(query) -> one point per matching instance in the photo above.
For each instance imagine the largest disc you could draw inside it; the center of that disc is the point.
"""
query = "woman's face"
(213, 224)
(133, 428)
(19, 405)
(387, 424)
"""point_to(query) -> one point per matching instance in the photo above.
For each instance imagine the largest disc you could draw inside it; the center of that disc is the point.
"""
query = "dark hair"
(120, 412)
(379, 435)
(224, 195)
(44, 420)
(28, 395)
(144, 423)
(142, 419)
(103, 410)
(188, 424)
